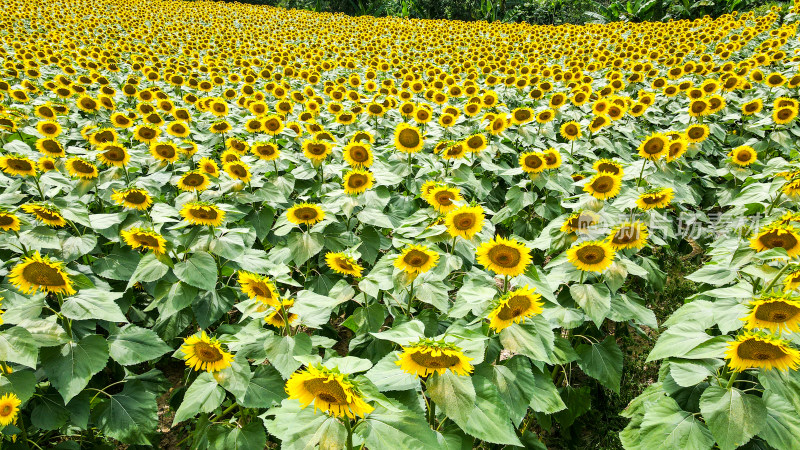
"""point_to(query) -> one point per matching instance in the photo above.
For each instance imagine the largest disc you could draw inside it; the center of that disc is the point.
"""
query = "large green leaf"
(532, 338)
(133, 345)
(389, 429)
(128, 416)
(678, 340)
(200, 271)
(453, 394)
(602, 361)
(545, 398)
(96, 304)
(150, 268)
(18, 346)
(782, 425)
(70, 366)
(265, 389)
(489, 419)
(21, 383)
(248, 437)
(281, 351)
(516, 385)
(300, 428)
(665, 425)
(732, 416)
(203, 395)
(594, 299)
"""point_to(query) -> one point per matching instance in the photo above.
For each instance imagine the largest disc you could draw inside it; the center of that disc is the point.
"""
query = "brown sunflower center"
(82, 166)
(743, 155)
(146, 240)
(135, 197)
(698, 106)
(49, 128)
(654, 146)
(522, 115)
(317, 149)
(516, 305)
(7, 410)
(359, 154)
(758, 350)
(550, 159)
(42, 274)
(695, 132)
(44, 214)
(207, 352)
(776, 311)
(608, 167)
(773, 239)
(6, 220)
(475, 142)
(194, 179)
(272, 124)
(409, 138)
(444, 198)
(571, 130)
(591, 254)
(434, 362)
(357, 180)
(51, 146)
(328, 391)
(147, 133)
(115, 154)
(220, 126)
(533, 161)
(203, 213)
(238, 170)
(784, 113)
(344, 264)
(626, 235)
(165, 151)
(464, 221)
(416, 258)
(306, 213)
(21, 165)
(178, 128)
(652, 199)
(504, 256)
(581, 221)
(603, 184)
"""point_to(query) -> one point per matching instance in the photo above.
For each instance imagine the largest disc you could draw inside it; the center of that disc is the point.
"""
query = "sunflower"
(696, 133)
(532, 162)
(504, 256)
(514, 307)
(40, 273)
(81, 168)
(19, 165)
(655, 198)
(743, 155)
(237, 170)
(330, 391)
(676, 148)
(8, 221)
(121, 120)
(50, 147)
(208, 166)
(521, 116)
(475, 143)
(265, 151)
(259, 288)
(205, 353)
(580, 221)
(591, 256)
(358, 154)
(408, 138)
(87, 104)
(699, 108)
(465, 221)
(133, 198)
(654, 147)
(9, 408)
(48, 128)
(164, 151)
(194, 181)
(792, 188)
(774, 312)
(357, 181)
(752, 107)
(609, 166)
(145, 239)
(570, 130)
(202, 213)
(428, 356)
(452, 150)
(792, 280)
(416, 259)
(784, 115)
(281, 314)
(113, 154)
(344, 264)
(305, 213)
(603, 186)
(178, 129)
(552, 158)
(777, 236)
(50, 215)
(628, 235)
(146, 133)
(597, 123)
(273, 125)
(761, 351)
(103, 136)
(317, 150)
(220, 126)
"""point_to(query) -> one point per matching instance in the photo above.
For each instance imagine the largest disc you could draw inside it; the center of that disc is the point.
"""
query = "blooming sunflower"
(697, 133)
(221, 126)
(514, 307)
(113, 155)
(532, 162)
(408, 138)
(8, 221)
(273, 125)
(357, 181)
(344, 264)
(416, 259)
(521, 116)
(774, 312)
(655, 198)
(208, 166)
(164, 151)
(203, 213)
(609, 166)
(654, 147)
(579, 221)
(317, 150)
(752, 107)
(18, 165)
(570, 130)
(145, 239)
(48, 128)
(50, 147)
(475, 143)
(429, 356)
(146, 133)
(443, 198)
(49, 215)
(777, 236)
(784, 115)
(330, 391)
(40, 273)
(194, 181)
(628, 235)
(603, 186)
(761, 351)
(81, 168)
(676, 148)
(792, 188)
(305, 213)
(237, 170)
(591, 256)
(281, 314)
(205, 353)
(465, 221)
(9, 408)
(358, 154)
(133, 198)
(504, 256)
(265, 151)
(552, 158)
(743, 155)
(259, 288)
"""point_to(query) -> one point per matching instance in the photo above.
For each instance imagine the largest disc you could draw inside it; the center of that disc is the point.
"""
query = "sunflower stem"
(38, 187)
(639, 180)
(768, 288)
(505, 284)
(432, 413)
(349, 427)
(731, 380)
(774, 202)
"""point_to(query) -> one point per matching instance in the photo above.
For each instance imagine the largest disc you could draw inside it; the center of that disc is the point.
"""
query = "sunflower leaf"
(602, 361)
(71, 366)
(732, 416)
(200, 271)
(204, 395)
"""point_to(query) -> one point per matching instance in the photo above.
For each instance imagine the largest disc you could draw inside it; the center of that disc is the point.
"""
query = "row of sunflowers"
(235, 226)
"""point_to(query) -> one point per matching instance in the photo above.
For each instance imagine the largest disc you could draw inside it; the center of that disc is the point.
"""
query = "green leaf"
(678, 340)
(133, 345)
(665, 425)
(235, 378)
(248, 437)
(203, 395)
(488, 420)
(383, 428)
(305, 245)
(22, 383)
(453, 394)
(783, 383)
(129, 415)
(149, 269)
(732, 416)
(782, 425)
(578, 402)
(281, 351)
(209, 306)
(96, 304)
(200, 271)
(314, 309)
(18, 346)
(515, 384)
(348, 364)
(48, 411)
(603, 362)
(71, 366)
(532, 338)
(119, 265)
(594, 299)
(403, 334)
(545, 397)
(300, 429)
(388, 376)
(173, 297)
(266, 388)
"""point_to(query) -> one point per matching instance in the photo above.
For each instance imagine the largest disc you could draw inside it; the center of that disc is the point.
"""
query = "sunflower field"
(229, 226)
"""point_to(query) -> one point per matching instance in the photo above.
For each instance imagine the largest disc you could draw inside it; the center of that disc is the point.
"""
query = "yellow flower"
(317, 150)
(498, 124)
(521, 116)
(628, 235)
(40, 273)
(259, 287)
(265, 151)
(305, 213)
(784, 115)
(50, 215)
(344, 264)
(416, 259)
(81, 168)
(146, 239)
(408, 139)
(552, 158)
(743, 155)
(50, 147)
(329, 390)
(48, 128)
(654, 147)
(609, 166)
(603, 186)
(357, 181)
(205, 353)
(202, 213)
(273, 125)
(774, 312)
(19, 165)
(133, 198)
(219, 127)
(465, 221)
(443, 198)
(428, 356)
(357, 154)
(676, 148)
(697, 133)
(777, 236)
(761, 351)
(655, 198)
(475, 143)
(591, 256)
(237, 170)
(532, 162)
(8, 221)
(580, 222)
(9, 408)
(113, 154)
(146, 133)
(164, 151)
(279, 316)
(570, 130)
(515, 307)
(208, 166)
(792, 280)
(504, 256)
(194, 181)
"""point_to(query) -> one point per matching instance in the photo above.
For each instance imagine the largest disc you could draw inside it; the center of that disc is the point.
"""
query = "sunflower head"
(655, 198)
(443, 198)
(654, 147)
(761, 351)
(696, 133)
(259, 288)
(50, 147)
(416, 259)
(113, 154)
(208, 166)
(628, 235)
(205, 353)
(532, 162)
(465, 221)
(194, 181)
(305, 213)
(591, 256)
(777, 236)
(514, 307)
(202, 213)
(145, 239)
(408, 138)
(429, 356)
(504, 256)
(317, 150)
(358, 154)
(330, 391)
(344, 264)
(237, 170)
(475, 143)
(48, 214)
(281, 315)
(15, 164)
(570, 130)
(357, 181)
(609, 166)
(133, 198)
(743, 155)
(9, 408)
(603, 186)
(552, 158)
(40, 273)
(580, 221)
(8, 221)
(774, 312)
